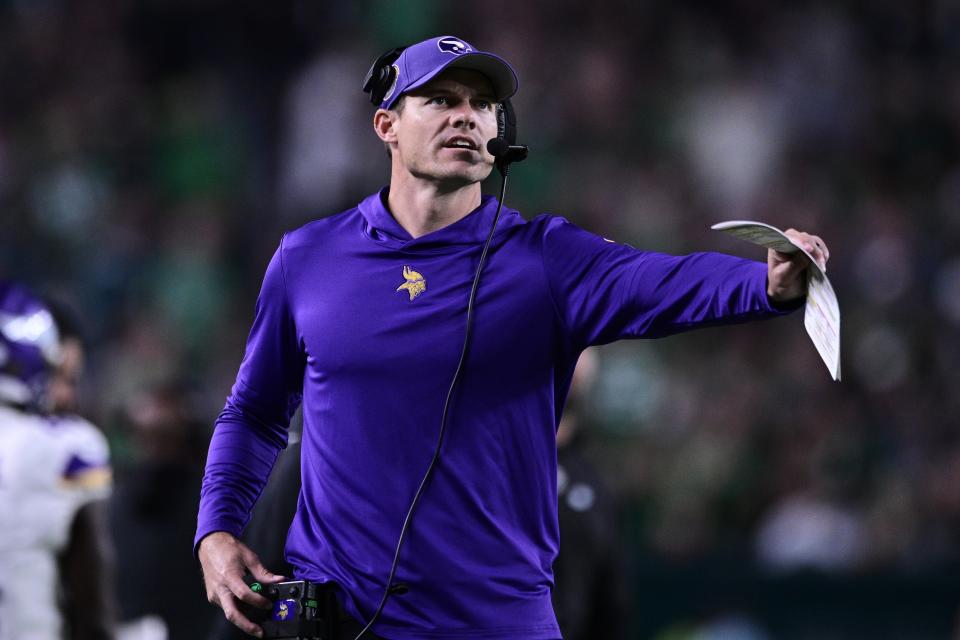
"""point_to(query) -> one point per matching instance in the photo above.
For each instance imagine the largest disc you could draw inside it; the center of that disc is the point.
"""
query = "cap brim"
(500, 73)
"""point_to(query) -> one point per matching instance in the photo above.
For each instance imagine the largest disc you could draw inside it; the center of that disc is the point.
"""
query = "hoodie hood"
(381, 226)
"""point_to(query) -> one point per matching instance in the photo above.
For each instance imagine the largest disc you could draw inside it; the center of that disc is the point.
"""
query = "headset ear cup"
(507, 122)
(371, 82)
(384, 83)
(380, 76)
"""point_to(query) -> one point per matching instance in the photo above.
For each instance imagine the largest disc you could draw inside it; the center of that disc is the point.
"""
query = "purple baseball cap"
(421, 62)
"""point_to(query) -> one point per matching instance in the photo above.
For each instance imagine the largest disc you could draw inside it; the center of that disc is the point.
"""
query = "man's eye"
(441, 100)
(483, 104)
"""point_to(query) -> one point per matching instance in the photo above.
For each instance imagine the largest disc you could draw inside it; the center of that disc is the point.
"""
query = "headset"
(382, 76)
(379, 81)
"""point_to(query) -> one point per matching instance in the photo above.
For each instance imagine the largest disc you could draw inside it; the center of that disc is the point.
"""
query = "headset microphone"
(504, 147)
(504, 153)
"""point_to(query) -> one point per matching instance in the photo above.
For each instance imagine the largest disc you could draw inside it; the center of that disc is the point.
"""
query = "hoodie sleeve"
(606, 291)
(252, 428)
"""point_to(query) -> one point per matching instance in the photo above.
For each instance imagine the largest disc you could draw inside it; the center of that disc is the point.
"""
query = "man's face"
(64, 395)
(442, 130)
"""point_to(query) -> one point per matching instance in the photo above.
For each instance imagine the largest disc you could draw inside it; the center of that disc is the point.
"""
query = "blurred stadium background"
(152, 153)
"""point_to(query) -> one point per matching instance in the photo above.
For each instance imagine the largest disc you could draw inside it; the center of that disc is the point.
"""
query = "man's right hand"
(225, 560)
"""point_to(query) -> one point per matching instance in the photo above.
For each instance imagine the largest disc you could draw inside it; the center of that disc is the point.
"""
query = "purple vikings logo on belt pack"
(283, 609)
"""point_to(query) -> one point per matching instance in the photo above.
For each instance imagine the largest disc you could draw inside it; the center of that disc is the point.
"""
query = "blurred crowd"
(153, 152)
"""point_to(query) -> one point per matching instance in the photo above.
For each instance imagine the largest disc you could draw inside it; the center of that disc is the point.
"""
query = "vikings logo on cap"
(454, 46)
(393, 84)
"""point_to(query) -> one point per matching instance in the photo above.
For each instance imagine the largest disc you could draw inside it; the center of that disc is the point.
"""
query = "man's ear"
(384, 123)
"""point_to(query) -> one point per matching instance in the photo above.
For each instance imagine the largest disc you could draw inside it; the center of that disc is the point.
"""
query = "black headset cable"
(400, 588)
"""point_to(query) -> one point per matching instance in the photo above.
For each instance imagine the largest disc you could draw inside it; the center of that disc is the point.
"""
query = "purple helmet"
(29, 346)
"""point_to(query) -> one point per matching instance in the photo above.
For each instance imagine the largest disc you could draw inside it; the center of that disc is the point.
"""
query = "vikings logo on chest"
(415, 283)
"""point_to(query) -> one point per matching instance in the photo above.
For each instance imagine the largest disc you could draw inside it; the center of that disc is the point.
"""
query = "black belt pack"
(301, 609)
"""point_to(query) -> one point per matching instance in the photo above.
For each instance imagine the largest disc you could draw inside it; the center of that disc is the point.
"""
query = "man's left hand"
(786, 271)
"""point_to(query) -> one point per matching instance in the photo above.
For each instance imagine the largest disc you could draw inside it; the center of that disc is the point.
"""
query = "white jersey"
(49, 469)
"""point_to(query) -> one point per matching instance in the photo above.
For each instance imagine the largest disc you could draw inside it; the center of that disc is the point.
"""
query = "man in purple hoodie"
(361, 319)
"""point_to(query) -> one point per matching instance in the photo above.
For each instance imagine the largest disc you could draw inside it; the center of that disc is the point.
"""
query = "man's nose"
(464, 118)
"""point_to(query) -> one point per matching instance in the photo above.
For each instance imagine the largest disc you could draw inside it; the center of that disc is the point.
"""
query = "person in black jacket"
(590, 594)
(152, 515)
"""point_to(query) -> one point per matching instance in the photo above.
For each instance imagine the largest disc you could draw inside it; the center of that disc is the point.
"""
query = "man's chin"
(472, 172)
(455, 178)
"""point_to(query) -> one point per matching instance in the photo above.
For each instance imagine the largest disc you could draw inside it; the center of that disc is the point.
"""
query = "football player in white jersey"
(51, 469)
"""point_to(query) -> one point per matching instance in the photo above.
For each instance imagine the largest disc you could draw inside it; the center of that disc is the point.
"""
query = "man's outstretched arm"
(606, 291)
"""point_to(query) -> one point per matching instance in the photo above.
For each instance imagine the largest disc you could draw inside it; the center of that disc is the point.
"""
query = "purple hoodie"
(364, 325)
